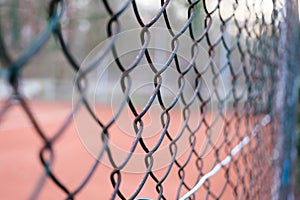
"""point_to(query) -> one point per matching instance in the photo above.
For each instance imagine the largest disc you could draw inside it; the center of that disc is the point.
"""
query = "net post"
(286, 102)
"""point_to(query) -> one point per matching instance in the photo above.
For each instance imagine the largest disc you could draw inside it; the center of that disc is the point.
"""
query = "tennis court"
(21, 169)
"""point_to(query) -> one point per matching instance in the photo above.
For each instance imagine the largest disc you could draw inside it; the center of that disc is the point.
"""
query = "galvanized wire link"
(231, 62)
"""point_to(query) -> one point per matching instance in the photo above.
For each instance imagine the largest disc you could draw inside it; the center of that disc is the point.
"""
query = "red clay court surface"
(20, 167)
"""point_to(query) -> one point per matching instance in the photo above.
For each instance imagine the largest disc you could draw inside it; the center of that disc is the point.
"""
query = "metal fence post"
(286, 100)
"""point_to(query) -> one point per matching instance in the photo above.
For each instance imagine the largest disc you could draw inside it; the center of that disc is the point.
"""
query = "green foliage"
(198, 19)
(14, 17)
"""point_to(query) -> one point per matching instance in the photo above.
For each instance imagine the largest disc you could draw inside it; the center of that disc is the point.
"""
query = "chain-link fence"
(176, 100)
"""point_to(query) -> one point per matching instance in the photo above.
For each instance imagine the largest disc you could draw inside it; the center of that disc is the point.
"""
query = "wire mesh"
(224, 92)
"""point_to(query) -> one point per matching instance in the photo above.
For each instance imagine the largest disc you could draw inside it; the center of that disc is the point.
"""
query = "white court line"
(266, 120)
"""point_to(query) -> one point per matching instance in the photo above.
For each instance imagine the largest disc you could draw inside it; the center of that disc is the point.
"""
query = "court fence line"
(232, 69)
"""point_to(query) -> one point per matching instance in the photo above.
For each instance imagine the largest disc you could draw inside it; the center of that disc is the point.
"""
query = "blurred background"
(48, 76)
